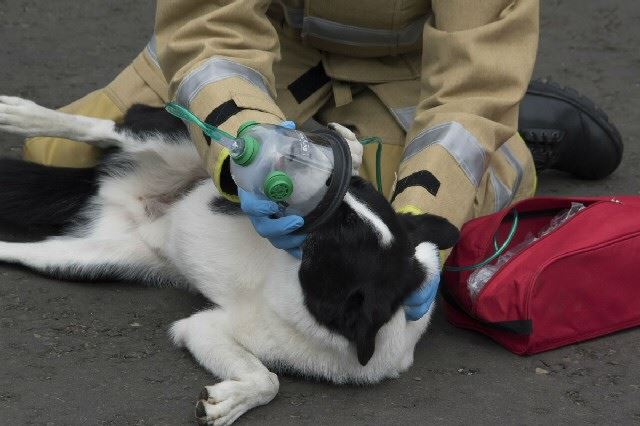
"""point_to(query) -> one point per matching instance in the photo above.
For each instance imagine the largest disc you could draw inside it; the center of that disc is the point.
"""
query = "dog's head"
(359, 266)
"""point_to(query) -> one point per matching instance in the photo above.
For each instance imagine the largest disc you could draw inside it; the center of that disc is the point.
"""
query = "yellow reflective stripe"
(217, 171)
(410, 209)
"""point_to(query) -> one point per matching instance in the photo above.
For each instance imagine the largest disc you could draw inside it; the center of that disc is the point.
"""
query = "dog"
(150, 212)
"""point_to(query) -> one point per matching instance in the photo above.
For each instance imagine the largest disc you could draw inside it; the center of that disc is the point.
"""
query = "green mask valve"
(278, 186)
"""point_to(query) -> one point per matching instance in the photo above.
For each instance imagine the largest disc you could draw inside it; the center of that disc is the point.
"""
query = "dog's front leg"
(246, 381)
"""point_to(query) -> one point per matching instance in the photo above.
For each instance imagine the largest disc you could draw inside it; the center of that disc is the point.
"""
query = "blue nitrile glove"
(277, 231)
(288, 125)
(419, 302)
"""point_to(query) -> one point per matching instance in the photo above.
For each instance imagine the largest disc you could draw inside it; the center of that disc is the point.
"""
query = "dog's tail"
(35, 195)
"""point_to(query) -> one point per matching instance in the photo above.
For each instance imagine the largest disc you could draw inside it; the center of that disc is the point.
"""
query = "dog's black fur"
(351, 284)
(36, 195)
(143, 119)
(33, 195)
(223, 206)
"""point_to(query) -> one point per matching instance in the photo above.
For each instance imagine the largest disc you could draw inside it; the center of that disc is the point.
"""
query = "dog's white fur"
(150, 226)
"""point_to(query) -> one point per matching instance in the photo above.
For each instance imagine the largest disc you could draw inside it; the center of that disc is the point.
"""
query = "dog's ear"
(362, 327)
(431, 228)
(365, 341)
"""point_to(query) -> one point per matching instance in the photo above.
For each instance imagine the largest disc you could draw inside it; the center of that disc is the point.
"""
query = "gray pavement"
(76, 353)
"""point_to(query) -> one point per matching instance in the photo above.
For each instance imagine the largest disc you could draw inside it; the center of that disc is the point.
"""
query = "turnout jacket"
(467, 64)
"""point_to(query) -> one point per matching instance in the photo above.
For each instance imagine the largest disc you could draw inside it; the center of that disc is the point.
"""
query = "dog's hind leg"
(89, 259)
(27, 118)
(246, 381)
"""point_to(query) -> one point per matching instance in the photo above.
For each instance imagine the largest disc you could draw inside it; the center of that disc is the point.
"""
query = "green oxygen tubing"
(498, 250)
(236, 146)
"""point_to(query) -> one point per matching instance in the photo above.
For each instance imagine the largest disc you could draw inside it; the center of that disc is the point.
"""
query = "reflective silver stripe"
(503, 195)
(513, 161)
(214, 70)
(404, 116)
(360, 36)
(153, 51)
(461, 144)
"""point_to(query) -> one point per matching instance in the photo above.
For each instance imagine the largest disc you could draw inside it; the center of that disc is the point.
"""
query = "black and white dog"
(150, 212)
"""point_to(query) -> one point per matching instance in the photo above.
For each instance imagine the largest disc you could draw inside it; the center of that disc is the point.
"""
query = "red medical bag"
(579, 281)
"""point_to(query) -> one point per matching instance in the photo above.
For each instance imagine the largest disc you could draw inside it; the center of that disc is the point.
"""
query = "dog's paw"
(223, 403)
(354, 145)
(22, 116)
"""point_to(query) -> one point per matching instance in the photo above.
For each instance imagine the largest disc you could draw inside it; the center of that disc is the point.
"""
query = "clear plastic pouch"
(481, 276)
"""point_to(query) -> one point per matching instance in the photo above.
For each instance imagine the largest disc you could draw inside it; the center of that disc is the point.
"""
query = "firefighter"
(441, 81)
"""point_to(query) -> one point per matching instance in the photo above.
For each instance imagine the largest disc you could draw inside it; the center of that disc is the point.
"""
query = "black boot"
(566, 131)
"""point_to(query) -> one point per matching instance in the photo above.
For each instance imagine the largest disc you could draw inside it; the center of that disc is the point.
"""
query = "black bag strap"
(522, 327)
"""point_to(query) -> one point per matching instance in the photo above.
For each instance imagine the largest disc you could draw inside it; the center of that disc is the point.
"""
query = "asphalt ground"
(77, 353)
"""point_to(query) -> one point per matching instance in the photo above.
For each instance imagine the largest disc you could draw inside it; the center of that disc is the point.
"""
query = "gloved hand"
(277, 231)
(419, 302)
